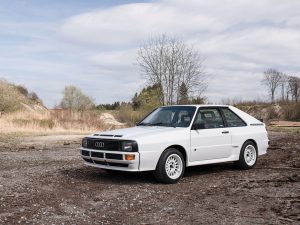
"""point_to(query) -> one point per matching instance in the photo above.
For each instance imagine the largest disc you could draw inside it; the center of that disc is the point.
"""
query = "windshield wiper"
(155, 124)
(144, 124)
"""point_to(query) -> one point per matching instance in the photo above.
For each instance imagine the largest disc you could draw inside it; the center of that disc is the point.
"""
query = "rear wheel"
(170, 167)
(248, 156)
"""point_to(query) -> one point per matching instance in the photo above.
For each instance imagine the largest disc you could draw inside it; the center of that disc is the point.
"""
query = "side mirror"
(197, 126)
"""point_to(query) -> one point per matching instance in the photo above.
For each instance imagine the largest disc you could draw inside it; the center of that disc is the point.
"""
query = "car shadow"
(89, 174)
(209, 169)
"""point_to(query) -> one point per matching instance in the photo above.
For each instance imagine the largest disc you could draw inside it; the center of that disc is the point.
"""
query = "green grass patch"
(284, 129)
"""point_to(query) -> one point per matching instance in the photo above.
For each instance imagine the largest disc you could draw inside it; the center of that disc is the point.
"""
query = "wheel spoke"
(173, 166)
(250, 155)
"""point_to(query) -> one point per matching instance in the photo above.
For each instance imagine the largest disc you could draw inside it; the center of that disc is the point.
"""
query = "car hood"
(137, 132)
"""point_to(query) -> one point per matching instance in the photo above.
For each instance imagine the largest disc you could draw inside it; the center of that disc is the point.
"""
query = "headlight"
(130, 146)
(85, 142)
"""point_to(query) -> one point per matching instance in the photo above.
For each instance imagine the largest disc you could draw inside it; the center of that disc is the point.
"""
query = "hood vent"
(108, 135)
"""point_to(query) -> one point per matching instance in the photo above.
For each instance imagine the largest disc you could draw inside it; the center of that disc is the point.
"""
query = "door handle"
(225, 132)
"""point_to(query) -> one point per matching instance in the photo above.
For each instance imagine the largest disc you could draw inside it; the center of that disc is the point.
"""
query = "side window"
(208, 119)
(183, 119)
(232, 119)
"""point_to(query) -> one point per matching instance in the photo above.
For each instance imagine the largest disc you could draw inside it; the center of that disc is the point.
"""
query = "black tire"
(160, 172)
(242, 163)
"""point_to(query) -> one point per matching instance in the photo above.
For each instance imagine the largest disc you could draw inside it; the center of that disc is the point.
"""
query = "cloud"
(96, 49)
(130, 24)
(240, 39)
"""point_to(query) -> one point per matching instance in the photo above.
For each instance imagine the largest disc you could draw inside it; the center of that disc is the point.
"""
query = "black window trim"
(138, 123)
(210, 107)
(224, 118)
(192, 106)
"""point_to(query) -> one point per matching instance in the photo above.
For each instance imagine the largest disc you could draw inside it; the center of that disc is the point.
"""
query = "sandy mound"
(108, 118)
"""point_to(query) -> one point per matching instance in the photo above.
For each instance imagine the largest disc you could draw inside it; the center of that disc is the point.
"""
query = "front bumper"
(113, 160)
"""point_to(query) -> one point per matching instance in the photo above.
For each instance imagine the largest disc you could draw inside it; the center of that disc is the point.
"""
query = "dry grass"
(49, 122)
(284, 129)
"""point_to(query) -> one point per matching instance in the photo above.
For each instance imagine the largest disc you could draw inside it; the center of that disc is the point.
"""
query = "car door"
(236, 127)
(210, 139)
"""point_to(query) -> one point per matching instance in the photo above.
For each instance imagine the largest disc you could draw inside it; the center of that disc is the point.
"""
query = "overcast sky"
(46, 45)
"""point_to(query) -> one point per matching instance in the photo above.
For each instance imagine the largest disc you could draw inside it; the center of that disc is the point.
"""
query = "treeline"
(281, 85)
(149, 98)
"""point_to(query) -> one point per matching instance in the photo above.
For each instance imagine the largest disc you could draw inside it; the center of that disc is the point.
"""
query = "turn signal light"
(129, 157)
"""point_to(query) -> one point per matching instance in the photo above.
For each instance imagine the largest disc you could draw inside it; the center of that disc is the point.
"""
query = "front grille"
(97, 154)
(104, 144)
(88, 160)
(117, 164)
(111, 164)
(106, 163)
(85, 153)
(113, 156)
(100, 163)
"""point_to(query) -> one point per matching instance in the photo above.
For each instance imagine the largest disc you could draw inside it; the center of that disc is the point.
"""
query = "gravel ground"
(44, 181)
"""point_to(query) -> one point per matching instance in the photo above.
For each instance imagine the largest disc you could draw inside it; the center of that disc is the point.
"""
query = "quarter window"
(232, 119)
(208, 119)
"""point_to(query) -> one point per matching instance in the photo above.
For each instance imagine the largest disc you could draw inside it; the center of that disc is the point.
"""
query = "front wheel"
(170, 167)
(248, 156)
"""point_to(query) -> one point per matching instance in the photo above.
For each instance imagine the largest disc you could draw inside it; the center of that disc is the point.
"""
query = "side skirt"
(211, 161)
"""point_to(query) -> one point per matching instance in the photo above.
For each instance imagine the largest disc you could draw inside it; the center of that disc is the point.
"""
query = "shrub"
(271, 113)
(127, 115)
(10, 97)
(23, 90)
(34, 97)
(291, 111)
(75, 99)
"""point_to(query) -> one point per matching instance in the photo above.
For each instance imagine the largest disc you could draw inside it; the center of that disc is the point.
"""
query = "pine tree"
(183, 94)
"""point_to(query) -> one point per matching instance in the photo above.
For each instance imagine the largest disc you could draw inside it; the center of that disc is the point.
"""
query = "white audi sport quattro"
(171, 138)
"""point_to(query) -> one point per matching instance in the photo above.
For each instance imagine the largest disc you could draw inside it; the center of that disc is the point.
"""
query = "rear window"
(232, 119)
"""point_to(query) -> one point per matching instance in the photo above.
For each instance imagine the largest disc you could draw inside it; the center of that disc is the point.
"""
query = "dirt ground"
(44, 181)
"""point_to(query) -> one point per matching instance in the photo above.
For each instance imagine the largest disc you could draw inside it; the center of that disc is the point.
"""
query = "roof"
(200, 105)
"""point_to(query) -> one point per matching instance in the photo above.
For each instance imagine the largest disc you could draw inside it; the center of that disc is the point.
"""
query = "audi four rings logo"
(99, 144)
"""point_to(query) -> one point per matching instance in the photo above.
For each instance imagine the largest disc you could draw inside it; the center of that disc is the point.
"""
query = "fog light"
(129, 157)
(85, 143)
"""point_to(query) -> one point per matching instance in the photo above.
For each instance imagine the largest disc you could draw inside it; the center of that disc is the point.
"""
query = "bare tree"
(272, 79)
(75, 99)
(294, 87)
(169, 62)
(284, 87)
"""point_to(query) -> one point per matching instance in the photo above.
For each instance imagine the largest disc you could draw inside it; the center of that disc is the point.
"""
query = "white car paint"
(203, 146)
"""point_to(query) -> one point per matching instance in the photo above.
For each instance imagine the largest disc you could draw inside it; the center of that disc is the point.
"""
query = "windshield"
(171, 116)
